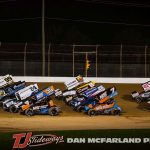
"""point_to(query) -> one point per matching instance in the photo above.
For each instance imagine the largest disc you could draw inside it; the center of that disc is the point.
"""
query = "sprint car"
(20, 96)
(105, 108)
(42, 96)
(86, 97)
(41, 103)
(40, 108)
(9, 91)
(70, 89)
(100, 96)
(78, 91)
(144, 95)
(105, 98)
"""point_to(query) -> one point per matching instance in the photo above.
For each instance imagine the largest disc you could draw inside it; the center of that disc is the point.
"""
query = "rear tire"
(139, 100)
(29, 112)
(91, 112)
(1, 103)
(69, 103)
(22, 112)
(79, 109)
(5, 107)
(13, 109)
(53, 111)
(116, 112)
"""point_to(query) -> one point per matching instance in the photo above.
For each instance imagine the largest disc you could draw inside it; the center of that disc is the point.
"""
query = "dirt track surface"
(134, 116)
(73, 123)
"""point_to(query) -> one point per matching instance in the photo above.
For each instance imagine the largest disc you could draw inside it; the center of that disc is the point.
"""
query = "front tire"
(116, 112)
(29, 112)
(13, 109)
(79, 109)
(91, 112)
(139, 100)
(1, 103)
(53, 111)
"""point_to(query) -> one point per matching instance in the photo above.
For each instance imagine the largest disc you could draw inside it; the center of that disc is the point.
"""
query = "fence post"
(96, 60)
(121, 60)
(145, 60)
(43, 37)
(49, 48)
(25, 55)
(73, 59)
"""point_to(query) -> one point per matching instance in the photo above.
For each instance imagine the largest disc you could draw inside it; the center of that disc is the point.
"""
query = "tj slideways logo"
(35, 140)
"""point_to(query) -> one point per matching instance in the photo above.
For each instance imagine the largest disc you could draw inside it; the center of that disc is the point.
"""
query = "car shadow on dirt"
(144, 106)
(127, 97)
(141, 106)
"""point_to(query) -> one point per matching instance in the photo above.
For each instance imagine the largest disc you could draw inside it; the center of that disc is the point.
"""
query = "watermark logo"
(22, 140)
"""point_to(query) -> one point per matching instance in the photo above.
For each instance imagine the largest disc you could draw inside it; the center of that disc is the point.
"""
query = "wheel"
(69, 103)
(53, 111)
(91, 112)
(139, 100)
(5, 107)
(13, 109)
(22, 112)
(29, 112)
(79, 109)
(110, 112)
(116, 112)
(1, 103)
(74, 108)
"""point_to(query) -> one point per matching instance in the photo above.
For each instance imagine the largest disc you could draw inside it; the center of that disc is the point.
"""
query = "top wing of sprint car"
(26, 92)
(6, 80)
(79, 90)
(78, 80)
(146, 86)
(10, 90)
(93, 91)
(69, 87)
(85, 87)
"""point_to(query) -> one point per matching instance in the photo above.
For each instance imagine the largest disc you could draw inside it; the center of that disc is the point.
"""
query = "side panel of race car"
(39, 96)
(102, 98)
(115, 107)
(41, 110)
(106, 108)
(77, 103)
(21, 95)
